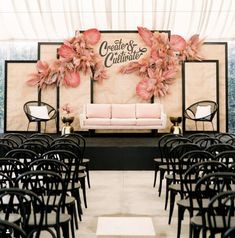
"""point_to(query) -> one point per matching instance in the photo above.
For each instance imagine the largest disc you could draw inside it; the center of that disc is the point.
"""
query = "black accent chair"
(197, 113)
(45, 115)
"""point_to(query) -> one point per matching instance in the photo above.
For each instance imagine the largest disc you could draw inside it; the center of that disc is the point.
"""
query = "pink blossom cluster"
(67, 109)
(76, 55)
(159, 69)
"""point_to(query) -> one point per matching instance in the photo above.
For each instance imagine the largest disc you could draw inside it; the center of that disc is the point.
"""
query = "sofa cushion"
(98, 110)
(203, 111)
(39, 112)
(123, 122)
(148, 122)
(97, 121)
(150, 110)
(123, 110)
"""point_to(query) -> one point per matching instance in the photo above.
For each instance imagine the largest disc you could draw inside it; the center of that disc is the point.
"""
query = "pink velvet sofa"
(123, 116)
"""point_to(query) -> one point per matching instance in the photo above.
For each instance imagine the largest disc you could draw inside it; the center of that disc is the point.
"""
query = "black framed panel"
(47, 51)
(200, 82)
(17, 92)
(219, 51)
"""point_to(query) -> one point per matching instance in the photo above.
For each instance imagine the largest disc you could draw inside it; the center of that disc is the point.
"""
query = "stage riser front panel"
(121, 158)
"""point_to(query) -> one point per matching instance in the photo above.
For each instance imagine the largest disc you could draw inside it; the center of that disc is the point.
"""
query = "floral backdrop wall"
(28, 51)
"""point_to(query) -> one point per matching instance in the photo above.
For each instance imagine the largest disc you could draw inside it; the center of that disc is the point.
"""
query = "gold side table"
(67, 128)
(175, 128)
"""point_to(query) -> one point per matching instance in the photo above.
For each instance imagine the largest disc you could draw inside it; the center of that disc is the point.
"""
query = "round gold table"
(175, 128)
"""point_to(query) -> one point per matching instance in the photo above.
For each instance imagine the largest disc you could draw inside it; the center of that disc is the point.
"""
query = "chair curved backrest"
(203, 111)
(225, 136)
(47, 137)
(4, 149)
(8, 229)
(230, 233)
(50, 188)
(12, 167)
(23, 205)
(24, 155)
(7, 141)
(218, 148)
(19, 138)
(196, 136)
(78, 139)
(37, 111)
(37, 147)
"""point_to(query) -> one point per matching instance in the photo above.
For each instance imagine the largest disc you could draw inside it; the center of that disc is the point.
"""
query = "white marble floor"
(127, 194)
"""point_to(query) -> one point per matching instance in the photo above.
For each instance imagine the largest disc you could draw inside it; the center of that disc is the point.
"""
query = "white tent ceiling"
(58, 19)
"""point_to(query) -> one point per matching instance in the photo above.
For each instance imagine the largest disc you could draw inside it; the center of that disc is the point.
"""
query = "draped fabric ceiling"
(51, 20)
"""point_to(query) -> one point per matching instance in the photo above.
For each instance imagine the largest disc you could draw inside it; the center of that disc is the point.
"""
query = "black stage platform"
(122, 153)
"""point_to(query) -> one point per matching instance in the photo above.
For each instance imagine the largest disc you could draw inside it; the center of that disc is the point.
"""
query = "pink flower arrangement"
(159, 69)
(76, 55)
(67, 110)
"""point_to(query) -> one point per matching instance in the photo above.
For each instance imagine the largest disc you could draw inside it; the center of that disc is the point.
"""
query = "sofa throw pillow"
(40, 112)
(202, 111)
(150, 110)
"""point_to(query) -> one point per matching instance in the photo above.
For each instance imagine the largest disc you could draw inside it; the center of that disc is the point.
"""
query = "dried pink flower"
(158, 70)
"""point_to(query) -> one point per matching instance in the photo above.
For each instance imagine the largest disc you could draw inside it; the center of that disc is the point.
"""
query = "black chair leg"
(168, 182)
(83, 186)
(88, 175)
(155, 175)
(65, 230)
(28, 126)
(162, 172)
(180, 218)
(172, 203)
(76, 194)
(70, 212)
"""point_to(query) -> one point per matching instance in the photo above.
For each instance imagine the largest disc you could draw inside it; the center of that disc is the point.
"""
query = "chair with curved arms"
(38, 112)
(202, 111)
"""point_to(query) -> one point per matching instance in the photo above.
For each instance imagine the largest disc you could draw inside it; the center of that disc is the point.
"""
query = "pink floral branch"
(159, 69)
(76, 55)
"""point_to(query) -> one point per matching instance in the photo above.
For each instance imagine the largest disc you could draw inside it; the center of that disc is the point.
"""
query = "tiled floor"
(127, 194)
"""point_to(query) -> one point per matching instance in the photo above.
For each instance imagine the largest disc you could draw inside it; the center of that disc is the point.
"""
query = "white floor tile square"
(125, 226)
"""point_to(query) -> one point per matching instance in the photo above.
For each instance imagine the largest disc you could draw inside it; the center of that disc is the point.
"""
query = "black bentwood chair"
(61, 169)
(202, 111)
(81, 142)
(22, 207)
(51, 189)
(39, 112)
(213, 184)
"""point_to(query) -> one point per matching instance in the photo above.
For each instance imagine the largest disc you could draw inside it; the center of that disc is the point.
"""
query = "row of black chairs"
(37, 200)
(61, 162)
(41, 143)
(179, 154)
(26, 155)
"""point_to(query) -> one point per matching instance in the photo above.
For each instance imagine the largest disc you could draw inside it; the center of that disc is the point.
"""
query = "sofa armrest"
(163, 117)
(82, 118)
